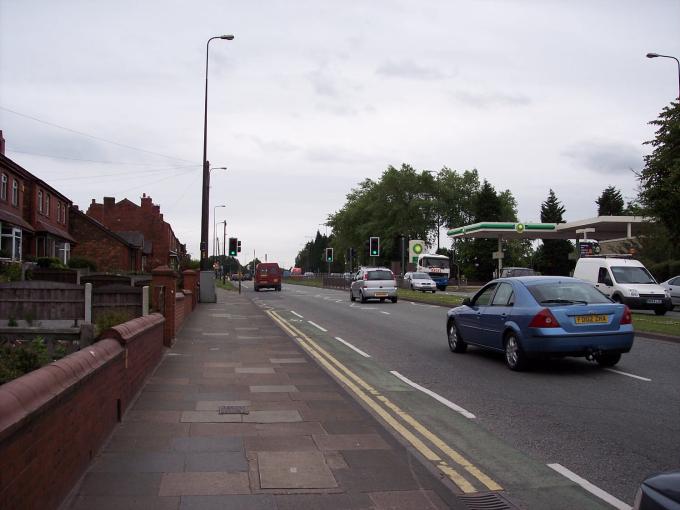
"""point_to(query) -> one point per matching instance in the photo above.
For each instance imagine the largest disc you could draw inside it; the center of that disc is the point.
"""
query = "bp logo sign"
(415, 249)
(519, 227)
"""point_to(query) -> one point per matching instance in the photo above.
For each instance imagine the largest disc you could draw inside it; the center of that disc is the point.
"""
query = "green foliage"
(18, 358)
(662, 271)
(82, 263)
(111, 318)
(552, 256)
(610, 202)
(49, 262)
(12, 322)
(188, 263)
(660, 178)
(10, 272)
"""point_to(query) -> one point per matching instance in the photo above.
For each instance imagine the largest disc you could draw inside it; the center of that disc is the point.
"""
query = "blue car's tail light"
(544, 319)
(627, 317)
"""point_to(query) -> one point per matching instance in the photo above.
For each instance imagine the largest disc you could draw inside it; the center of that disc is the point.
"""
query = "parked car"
(625, 280)
(267, 275)
(420, 281)
(542, 316)
(672, 285)
(507, 272)
(308, 274)
(373, 283)
(659, 492)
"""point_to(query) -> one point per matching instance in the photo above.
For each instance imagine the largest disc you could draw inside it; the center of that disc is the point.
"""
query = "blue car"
(542, 317)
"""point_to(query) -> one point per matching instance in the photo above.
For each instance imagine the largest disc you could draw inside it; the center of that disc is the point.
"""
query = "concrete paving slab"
(119, 443)
(214, 405)
(276, 416)
(317, 395)
(407, 500)
(141, 429)
(152, 416)
(280, 444)
(223, 429)
(222, 364)
(236, 502)
(216, 461)
(341, 442)
(207, 444)
(209, 417)
(273, 388)
(145, 462)
(355, 501)
(203, 484)
(282, 361)
(335, 460)
(303, 428)
(294, 470)
(348, 427)
(120, 484)
(125, 502)
(254, 370)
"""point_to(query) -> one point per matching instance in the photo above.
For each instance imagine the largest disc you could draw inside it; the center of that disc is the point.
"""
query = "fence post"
(167, 278)
(190, 280)
(88, 303)
(145, 300)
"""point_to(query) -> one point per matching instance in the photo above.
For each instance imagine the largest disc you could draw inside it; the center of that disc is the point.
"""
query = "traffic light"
(329, 254)
(374, 246)
(238, 246)
(233, 246)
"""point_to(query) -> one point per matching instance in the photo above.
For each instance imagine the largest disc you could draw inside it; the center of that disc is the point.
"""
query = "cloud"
(605, 157)
(328, 154)
(490, 99)
(322, 83)
(269, 146)
(411, 70)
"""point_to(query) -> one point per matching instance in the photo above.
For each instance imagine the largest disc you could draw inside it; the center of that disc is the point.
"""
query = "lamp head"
(228, 37)
(652, 55)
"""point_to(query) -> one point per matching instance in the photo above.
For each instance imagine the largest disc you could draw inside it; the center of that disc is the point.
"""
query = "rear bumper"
(424, 287)
(644, 304)
(581, 345)
(372, 293)
(267, 284)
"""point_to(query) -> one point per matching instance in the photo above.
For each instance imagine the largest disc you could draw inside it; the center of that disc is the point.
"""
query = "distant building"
(141, 225)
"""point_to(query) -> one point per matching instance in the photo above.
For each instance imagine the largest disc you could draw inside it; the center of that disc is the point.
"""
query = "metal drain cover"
(487, 501)
(233, 410)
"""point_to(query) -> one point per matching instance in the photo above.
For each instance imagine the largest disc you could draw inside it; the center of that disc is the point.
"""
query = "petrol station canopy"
(604, 228)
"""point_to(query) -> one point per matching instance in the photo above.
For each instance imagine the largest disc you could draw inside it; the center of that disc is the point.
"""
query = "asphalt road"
(610, 428)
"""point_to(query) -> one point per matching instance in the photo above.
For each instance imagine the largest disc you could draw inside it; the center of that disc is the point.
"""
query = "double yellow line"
(417, 435)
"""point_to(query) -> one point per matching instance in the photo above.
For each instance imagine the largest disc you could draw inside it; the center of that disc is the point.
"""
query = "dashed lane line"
(593, 489)
(318, 327)
(434, 395)
(386, 313)
(352, 347)
(296, 314)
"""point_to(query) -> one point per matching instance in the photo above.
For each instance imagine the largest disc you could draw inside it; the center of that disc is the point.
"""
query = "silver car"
(373, 283)
(420, 281)
(673, 286)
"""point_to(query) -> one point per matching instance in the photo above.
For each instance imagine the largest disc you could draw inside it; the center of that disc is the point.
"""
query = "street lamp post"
(215, 226)
(655, 55)
(207, 279)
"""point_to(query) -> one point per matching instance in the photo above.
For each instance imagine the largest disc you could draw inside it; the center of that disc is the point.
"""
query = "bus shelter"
(601, 228)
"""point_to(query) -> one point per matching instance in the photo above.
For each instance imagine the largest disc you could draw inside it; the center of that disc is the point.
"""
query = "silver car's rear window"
(380, 275)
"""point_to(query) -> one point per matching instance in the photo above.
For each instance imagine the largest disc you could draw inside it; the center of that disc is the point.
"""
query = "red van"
(267, 275)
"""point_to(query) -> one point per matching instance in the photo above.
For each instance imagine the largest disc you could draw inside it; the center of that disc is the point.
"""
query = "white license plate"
(654, 301)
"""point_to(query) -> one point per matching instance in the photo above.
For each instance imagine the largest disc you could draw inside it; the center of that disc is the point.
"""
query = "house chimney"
(2, 143)
(109, 202)
(146, 202)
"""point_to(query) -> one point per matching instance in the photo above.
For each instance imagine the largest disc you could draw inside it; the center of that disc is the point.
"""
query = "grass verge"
(656, 324)
(227, 285)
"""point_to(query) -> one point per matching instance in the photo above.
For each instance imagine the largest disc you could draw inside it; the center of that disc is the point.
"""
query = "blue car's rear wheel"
(608, 359)
(515, 357)
(456, 343)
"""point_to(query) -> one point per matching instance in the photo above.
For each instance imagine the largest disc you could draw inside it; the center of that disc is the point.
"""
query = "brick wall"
(109, 253)
(54, 420)
(180, 312)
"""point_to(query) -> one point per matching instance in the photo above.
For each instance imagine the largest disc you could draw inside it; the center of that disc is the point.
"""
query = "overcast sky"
(312, 97)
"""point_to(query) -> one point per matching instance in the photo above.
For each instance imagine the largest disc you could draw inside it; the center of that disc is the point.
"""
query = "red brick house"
(110, 251)
(160, 246)
(33, 215)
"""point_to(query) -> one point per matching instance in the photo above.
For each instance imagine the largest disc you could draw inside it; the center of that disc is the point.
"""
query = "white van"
(626, 281)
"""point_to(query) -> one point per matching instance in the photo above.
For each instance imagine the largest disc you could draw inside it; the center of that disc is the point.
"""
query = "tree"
(660, 178)
(552, 257)
(610, 202)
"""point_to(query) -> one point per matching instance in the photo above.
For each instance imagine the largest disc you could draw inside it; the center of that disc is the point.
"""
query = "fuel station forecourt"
(602, 228)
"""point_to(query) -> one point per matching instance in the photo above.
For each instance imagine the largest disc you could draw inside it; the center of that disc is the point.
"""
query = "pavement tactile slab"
(203, 484)
(294, 470)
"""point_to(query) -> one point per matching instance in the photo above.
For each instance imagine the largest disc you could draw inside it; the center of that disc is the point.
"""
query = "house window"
(47, 205)
(3, 187)
(63, 252)
(58, 212)
(40, 202)
(63, 214)
(15, 192)
(10, 242)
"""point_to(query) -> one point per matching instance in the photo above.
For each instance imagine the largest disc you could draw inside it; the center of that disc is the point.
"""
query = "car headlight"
(667, 292)
(634, 293)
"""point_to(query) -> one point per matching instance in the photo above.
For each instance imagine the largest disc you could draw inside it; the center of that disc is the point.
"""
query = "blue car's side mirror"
(466, 301)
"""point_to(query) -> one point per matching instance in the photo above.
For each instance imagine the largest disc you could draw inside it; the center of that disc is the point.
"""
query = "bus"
(437, 266)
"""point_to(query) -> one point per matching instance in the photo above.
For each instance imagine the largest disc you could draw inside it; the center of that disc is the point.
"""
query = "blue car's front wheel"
(456, 343)
(514, 355)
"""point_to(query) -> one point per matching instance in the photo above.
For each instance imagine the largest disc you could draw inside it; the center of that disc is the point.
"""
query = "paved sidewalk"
(237, 416)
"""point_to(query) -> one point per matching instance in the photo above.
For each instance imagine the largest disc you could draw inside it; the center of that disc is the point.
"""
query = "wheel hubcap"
(453, 338)
(511, 351)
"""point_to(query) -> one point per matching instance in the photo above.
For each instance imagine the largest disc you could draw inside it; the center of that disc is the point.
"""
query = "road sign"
(497, 255)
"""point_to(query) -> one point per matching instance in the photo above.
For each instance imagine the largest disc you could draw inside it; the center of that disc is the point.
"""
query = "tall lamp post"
(207, 279)
(655, 55)
(215, 226)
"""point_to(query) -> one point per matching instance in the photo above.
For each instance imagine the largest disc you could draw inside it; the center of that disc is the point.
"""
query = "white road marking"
(317, 326)
(296, 314)
(629, 375)
(386, 313)
(438, 398)
(352, 347)
(596, 491)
